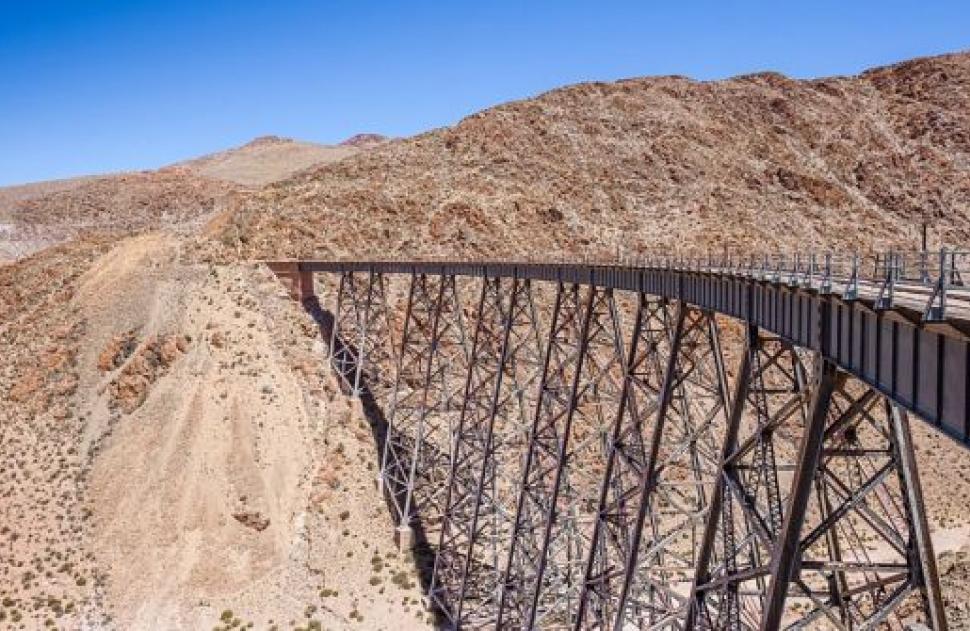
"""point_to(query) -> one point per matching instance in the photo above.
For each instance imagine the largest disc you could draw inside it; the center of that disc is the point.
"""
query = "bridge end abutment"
(298, 280)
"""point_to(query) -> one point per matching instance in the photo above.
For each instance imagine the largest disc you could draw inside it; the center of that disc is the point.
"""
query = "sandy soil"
(218, 472)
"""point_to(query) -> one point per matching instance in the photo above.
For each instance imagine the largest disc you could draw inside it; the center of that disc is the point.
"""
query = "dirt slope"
(761, 160)
(180, 452)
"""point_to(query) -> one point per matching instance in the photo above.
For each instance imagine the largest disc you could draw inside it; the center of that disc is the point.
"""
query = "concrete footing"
(404, 537)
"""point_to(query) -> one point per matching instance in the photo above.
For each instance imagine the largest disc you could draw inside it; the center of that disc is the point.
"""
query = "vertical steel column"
(346, 329)
(360, 334)
(398, 443)
(702, 573)
(374, 339)
(482, 383)
(583, 452)
(929, 579)
(768, 417)
(532, 495)
(787, 551)
(475, 534)
(610, 542)
(869, 497)
(576, 418)
(499, 474)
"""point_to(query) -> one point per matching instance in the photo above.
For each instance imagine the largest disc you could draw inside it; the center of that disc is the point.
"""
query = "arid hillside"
(35, 216)
(175, 452)
(117, 204)
(758, 161)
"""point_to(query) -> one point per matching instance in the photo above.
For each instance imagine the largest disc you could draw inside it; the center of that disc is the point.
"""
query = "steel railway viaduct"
(658, 445)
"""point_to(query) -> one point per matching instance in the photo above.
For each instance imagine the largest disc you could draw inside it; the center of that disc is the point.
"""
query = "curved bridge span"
(676, 446)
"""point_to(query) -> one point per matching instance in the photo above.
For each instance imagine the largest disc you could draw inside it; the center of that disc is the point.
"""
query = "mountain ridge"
(649, 164)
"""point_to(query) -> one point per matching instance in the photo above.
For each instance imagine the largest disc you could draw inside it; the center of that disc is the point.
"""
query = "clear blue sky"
(105, 85)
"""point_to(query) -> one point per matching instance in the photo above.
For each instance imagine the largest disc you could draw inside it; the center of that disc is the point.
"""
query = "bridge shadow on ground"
(421, 549)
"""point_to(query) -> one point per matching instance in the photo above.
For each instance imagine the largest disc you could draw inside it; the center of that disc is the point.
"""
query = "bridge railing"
(929, 283)
(923, 280)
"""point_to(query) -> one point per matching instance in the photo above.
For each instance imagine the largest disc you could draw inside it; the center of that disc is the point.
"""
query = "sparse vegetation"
(99, 331)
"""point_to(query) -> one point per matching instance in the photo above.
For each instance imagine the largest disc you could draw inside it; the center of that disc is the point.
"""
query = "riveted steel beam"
(764, 428)
(582, 455)
(866, 497)
(786, 553)
(582, 370)
(678, 477)
(506, 356)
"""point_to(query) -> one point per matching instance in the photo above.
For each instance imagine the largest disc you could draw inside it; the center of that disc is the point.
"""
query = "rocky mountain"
(176, 453)
(759, 161)
(364, 140)
(268, 159)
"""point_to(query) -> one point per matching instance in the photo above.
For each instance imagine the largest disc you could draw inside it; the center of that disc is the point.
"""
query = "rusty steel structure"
(675, 444)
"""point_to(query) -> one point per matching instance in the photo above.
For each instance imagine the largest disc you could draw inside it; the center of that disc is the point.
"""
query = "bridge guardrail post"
(826, 284)
(851, 291)
(887, 291)
(944, 284)
(935, 310)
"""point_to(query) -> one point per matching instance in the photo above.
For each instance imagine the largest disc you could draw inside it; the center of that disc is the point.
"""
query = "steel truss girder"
(427, 401)
(578, 390)
(609, 548)
(859, 555)
(360, 340)
(504, 365)
(761, 441)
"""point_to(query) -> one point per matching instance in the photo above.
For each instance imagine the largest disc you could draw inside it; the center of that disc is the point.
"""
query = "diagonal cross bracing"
(679, 472)
(609, 547)
(583, 366)
(863, 554)
(427, 401)
(764, 429)
(505, 359)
